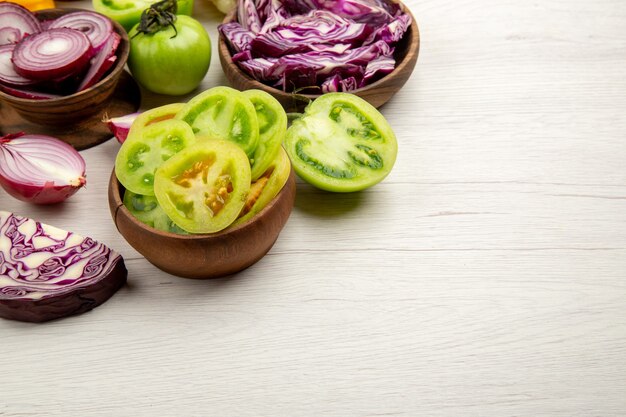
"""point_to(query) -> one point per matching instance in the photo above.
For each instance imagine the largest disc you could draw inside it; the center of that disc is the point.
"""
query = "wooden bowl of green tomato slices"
(203, 189)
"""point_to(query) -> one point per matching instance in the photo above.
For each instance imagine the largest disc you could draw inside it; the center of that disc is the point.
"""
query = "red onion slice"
(19, 19)
(52, 54)
(97, 27)
(29, 94)
(8, 76)
(48, 273)
(9, 35)
(101, 63)
(40, 169)
(120, 126)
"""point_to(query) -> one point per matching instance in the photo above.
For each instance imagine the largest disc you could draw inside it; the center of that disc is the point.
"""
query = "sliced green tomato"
(147, 210)
(204, 187)
(128, 12)
(272, 121)
(223, 113)
(141, 155)
(265, 188)
(155, 115)
(341, 144)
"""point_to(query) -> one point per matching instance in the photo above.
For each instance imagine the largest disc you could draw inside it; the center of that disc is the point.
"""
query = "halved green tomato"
(264, 189)
(272, 121)
(155, 115)
(342, 144)
(204, 187)
(223, 113)
(146, 209)
(141, 155)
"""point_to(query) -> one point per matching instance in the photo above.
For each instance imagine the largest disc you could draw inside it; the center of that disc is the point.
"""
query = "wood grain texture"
(483, 277)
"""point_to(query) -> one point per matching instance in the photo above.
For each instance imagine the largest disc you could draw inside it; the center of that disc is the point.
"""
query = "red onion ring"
(52, 54)
(9, 35)
(16, 17)
(8, 75)
(40, 169)
(97, 27)
(101, 63)
(29, 94)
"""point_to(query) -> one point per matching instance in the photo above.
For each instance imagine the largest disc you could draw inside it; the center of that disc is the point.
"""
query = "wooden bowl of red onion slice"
(373, 71)
(79, 84)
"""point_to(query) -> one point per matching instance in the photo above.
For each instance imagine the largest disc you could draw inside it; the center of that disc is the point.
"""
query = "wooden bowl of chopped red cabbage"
(299, 49)
(59, 66)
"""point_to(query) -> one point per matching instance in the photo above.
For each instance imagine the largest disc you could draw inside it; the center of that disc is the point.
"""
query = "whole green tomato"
(128, 12)
(170, 61)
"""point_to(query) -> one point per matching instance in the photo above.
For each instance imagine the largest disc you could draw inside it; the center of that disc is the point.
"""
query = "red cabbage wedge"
(47, 273)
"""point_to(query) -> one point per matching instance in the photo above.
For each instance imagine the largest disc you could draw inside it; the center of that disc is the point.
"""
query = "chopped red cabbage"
(377, 68)
(303, 33)
(332, 45)
(247, 16)
(237, 37)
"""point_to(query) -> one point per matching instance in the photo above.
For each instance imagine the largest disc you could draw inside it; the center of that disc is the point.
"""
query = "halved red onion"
(40, 169)
(97, 27)
(8, 76)
(47, 273)
(19, 19)
(101, 63)
(120, 126)
(52, 54)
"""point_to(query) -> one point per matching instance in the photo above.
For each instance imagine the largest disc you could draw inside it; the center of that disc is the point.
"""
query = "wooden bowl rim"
(119, 205)
(414, 45)
(122, 52)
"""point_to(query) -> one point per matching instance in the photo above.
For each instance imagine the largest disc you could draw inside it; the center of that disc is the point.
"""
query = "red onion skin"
(48, 193)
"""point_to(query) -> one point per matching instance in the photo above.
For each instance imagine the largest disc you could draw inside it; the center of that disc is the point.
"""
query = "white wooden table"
(486, 276)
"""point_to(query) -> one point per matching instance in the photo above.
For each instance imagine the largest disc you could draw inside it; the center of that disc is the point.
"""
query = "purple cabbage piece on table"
(334, 45)
(47, 273)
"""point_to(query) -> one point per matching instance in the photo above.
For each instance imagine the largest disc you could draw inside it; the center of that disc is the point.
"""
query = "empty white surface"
(486, 276)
